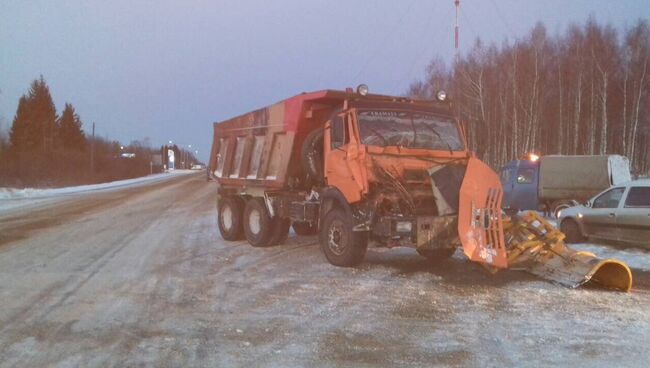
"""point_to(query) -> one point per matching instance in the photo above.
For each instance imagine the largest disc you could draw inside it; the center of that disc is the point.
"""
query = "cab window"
(525, 176)
(638, 197)
(338, 132)
(609, 199)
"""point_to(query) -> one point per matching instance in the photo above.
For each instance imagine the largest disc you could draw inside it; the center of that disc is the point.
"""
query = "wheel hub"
(226, 217)
(254, 221)
(336, 242)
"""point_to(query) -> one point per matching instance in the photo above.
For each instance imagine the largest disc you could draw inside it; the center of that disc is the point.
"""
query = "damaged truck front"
(357, 169)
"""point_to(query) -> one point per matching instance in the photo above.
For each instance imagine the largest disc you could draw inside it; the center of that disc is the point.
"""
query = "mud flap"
(536, 246)
(479, 215)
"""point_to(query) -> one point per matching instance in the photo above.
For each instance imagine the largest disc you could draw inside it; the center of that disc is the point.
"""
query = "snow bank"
(637, 258)
(9, 194)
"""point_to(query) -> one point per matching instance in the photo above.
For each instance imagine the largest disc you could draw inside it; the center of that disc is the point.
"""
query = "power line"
(372, 56)
(502, 17)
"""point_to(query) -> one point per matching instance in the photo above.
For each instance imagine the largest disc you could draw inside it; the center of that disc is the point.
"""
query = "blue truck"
(554, 182)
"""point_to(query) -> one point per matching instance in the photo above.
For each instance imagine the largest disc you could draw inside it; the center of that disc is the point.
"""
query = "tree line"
(45, 149)
(586, 91)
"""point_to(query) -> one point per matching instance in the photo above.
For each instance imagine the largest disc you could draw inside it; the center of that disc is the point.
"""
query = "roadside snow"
(15, 197)
(634, 257)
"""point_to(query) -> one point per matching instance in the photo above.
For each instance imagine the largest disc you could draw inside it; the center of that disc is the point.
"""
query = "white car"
(620, 213)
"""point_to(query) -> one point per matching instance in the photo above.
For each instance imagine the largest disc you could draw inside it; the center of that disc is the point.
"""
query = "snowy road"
(140, 277)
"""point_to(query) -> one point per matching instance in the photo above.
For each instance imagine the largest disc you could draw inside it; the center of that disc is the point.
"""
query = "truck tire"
(558, 206)
(229, 217)
(305, 228)
(571, 229)
(436, 255)
(311, 155)
(342, 246)
(258, 225)
(280, 230)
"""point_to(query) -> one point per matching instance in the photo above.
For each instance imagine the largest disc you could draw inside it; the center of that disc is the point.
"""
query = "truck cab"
(520, 179)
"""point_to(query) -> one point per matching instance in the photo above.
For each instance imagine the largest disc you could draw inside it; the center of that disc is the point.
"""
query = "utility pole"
(92, 152)
(457, 4)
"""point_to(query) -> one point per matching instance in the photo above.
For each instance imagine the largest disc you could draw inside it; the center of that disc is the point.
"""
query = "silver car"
(620, 213)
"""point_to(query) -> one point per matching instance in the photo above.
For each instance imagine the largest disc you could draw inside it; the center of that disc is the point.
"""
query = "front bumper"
(422, 232)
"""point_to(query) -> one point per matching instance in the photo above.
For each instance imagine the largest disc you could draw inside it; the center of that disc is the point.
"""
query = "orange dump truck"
(357, 168)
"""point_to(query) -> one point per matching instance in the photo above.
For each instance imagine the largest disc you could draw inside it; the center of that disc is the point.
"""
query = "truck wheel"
(280, 230)
(436, 255)
(558, 206)
(229, 211)
(305, 228)
(571, 229)
(342, 246)
(258, 225)
(311, 155)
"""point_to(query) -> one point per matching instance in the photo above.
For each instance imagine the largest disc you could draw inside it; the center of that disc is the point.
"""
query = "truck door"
(345, 166)
(524, 194)
(520, 180)
(507, 176)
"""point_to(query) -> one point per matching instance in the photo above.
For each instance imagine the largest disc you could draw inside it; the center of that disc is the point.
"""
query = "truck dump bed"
(259, 148)
(580, 177)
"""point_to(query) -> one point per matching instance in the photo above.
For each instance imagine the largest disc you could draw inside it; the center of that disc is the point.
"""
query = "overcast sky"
(167, 69)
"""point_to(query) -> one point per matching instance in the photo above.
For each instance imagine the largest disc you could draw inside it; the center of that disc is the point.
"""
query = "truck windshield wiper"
(451, 152)
(375, 132)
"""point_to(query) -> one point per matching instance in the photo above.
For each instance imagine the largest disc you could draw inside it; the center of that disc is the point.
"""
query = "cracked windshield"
(408, 129)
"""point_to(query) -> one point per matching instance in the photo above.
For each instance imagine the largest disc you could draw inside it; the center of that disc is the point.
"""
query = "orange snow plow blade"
(527, 242)
(536, 246)
(480, 225)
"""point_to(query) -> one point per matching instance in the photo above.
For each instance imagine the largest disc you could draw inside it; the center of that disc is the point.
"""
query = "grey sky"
(167, 69)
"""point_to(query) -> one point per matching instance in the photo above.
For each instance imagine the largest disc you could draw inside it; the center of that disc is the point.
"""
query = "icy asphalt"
(139, 276)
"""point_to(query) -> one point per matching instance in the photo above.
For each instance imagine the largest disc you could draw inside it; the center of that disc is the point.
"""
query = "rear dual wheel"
(229, 211)
(260, 228)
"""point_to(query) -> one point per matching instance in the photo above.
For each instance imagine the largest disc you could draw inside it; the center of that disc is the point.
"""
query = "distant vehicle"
(621, 213)
(552, 183)
(197, 167)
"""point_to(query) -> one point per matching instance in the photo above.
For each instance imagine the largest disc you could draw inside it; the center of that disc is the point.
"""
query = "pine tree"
(34, 125)
(18, 137)
(70, 134)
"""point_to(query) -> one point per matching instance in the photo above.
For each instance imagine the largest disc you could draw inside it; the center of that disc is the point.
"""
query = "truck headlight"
(403, 227)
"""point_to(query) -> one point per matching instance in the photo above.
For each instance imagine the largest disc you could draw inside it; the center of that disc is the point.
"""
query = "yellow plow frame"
(536, 246)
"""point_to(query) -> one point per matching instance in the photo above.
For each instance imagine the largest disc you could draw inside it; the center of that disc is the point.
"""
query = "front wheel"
(572, 231)
(342, 246)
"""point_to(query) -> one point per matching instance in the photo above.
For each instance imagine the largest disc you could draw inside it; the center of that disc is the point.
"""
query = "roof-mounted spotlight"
(362, 89)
